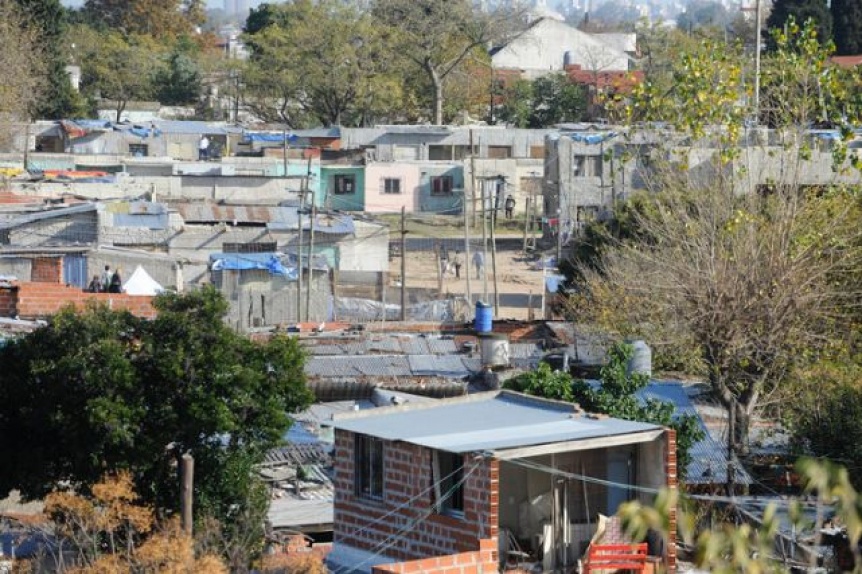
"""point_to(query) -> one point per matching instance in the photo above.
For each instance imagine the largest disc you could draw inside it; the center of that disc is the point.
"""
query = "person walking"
(204, 148)
(510, 206)
(479, 264)
(456, 263)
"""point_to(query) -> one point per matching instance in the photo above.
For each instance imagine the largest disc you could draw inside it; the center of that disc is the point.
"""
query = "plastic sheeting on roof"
(274, 137)
(247, 261)
(592, 138)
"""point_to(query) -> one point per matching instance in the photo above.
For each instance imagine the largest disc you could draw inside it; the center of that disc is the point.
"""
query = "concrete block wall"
(39, 300)
(482, 561)
(403, 525)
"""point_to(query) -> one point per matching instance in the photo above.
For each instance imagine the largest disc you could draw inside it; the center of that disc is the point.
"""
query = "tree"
(543, 102)
(702, 13)
(748, 280)
(847, 26)
(437, 36)
(161, 19)
(116, 68)
(109, 529)
(48, 19)
(338, 78)
(23, 65)
(801, 11)
(103, 390)
(614, 396)
(179, 81)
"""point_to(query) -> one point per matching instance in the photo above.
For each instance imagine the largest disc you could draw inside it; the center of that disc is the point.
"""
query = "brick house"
(467, 483)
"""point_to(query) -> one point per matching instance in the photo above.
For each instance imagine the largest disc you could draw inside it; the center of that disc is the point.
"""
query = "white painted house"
(549, 45)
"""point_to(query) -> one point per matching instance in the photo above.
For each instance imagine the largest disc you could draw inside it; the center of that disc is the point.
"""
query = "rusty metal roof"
(213, 213)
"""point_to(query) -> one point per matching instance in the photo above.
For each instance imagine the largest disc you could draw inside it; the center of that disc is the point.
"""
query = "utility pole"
(526, 223)
(484, 245)
(731, 448)
(403, 265)
(467, 262)
(757, 16)
(500, 183)
(299, 255)
(187, 472)
(310, 263)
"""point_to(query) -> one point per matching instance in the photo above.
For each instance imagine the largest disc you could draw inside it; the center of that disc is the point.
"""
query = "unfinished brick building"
(473, 483)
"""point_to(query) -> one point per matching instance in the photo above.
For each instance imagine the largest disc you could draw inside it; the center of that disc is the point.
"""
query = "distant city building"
(236, 8)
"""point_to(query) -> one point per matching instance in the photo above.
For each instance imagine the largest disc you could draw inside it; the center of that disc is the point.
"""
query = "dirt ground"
(519, 281)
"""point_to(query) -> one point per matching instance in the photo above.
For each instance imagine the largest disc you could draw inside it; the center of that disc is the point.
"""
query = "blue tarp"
(246, 261)
(143, 132)
(268, 137)
(592, 138)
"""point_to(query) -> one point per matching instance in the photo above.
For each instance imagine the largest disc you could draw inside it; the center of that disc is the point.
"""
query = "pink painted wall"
(376, 201)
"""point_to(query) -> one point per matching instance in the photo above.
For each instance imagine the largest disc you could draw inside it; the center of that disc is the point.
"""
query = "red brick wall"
(47, 270)
(9, 301)
(402, 525)
(482, 561)
(38, 300)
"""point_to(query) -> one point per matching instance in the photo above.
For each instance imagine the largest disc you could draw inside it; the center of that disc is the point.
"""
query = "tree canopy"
(801, 11)
(847, 26)
(542, 102)
(103, 390)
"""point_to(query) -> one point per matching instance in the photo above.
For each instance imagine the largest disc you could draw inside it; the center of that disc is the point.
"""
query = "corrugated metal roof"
(48, 214)
(438, 366)
(485, 421)
(708, 457)
(213, 213)
(390, 365)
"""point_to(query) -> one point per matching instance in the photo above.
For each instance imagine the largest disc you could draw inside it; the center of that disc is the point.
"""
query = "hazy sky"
(210, 3)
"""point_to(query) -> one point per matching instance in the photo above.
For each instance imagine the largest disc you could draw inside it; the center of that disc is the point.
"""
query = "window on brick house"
(344, 184)
(391, 185)
(448, 473)
(369, 467)
(441, 185)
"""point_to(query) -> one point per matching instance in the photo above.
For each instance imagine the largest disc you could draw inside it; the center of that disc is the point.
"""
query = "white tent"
(140, 283)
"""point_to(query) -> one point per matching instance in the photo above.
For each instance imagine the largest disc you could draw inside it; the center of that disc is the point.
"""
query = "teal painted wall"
(445, 203)
(344, 202)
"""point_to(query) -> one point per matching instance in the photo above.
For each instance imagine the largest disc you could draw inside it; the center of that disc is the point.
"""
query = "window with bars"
(391, 185)
(369, 467)
(344, 184)
(442, 185)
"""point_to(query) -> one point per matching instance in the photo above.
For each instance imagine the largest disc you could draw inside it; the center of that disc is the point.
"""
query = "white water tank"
(641, 360)
(494, 349)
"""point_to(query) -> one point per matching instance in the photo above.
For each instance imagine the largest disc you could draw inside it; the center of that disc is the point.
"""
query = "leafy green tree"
(336, 78)
(23, 64)
(614, 396)
(543, 102)
(801, 11)
(117, 68)
(48, 19)
(104, 390)
(179, 81)
(847, 26)
(161, 19)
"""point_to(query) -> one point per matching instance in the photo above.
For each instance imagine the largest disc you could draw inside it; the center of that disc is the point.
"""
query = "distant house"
(549, 45)
(489, 477)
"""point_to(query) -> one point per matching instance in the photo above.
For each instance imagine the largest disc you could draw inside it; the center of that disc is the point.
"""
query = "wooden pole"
(731, 448)
(484, 245)
(526, 223)
(187, 491)
(473, 178)
(310, 268)
(299, 257)
(403, 264)
(494, 251)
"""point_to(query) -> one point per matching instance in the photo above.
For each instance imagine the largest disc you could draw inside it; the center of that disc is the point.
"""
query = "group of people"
(453, 266)
(109, 282)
